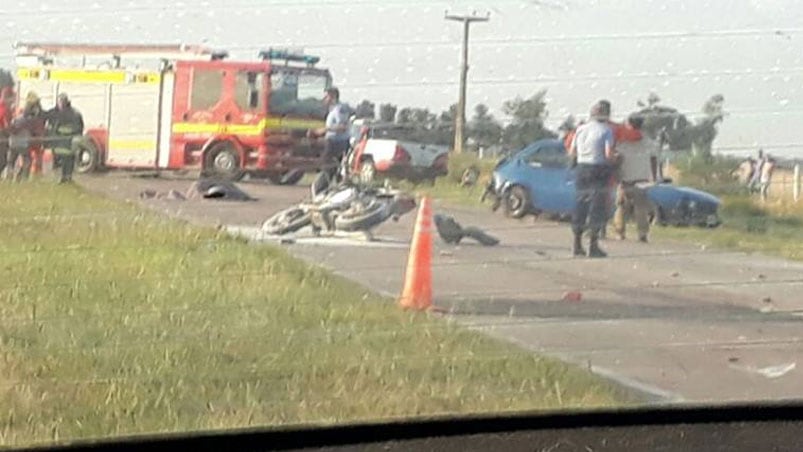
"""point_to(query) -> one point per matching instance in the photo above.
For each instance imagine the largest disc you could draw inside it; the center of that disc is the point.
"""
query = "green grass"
(775, 229)
(115, 321)
(448, 189)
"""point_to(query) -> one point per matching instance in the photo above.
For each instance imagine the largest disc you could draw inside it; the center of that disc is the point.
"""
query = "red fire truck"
(195, 110)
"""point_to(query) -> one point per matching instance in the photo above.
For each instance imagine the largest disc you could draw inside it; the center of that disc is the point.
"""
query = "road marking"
(661, 394)
(338, 240)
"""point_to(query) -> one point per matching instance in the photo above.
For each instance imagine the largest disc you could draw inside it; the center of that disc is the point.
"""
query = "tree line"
(526, 123)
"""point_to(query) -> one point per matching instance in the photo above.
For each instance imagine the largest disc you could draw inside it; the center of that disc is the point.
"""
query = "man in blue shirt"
(336, 133)
(593, 149)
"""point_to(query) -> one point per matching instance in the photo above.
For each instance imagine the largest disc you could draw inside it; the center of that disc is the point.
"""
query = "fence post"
(796, 183)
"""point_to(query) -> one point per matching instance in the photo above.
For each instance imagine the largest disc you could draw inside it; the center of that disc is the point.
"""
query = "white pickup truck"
(381, 150)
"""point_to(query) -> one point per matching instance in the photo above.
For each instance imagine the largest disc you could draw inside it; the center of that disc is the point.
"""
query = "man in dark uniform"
(66, 124)
(593, 149)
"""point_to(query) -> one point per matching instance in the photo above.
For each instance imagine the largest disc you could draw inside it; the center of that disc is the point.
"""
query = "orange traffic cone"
(417, 293)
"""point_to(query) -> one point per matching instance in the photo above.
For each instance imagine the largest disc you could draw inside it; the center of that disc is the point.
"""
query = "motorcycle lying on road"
(341, 203)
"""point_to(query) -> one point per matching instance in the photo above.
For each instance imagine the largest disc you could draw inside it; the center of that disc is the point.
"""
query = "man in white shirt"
(336, 133)
(637, 171)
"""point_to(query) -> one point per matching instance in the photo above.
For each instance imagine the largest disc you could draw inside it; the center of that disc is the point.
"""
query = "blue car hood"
(692, 193)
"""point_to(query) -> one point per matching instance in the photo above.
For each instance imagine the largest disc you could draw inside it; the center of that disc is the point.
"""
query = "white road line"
(338, 240)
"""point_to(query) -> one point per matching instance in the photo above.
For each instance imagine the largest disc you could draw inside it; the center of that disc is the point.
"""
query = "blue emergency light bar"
(274, 54)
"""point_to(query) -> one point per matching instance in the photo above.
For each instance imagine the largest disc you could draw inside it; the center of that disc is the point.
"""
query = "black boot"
(593, 247)
(577, 247)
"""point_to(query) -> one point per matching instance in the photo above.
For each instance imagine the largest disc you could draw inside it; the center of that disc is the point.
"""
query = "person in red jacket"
(33, 110)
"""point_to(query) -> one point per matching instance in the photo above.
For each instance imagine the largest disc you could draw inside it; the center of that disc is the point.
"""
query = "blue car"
(539, 180)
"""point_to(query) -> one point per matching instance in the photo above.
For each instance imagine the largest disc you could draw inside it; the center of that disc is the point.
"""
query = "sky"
(405, 53)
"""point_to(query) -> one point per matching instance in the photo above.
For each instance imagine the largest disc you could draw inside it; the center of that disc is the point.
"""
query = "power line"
(532, 40)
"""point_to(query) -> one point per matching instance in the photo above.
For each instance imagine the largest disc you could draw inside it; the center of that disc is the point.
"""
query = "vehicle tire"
(517, 202)
(290, 177)
(367, 172)
(362, 219)
(222, 161)
(87, 157)
(286, 221)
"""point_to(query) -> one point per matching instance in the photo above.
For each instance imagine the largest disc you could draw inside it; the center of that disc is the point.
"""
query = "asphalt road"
(675, 321)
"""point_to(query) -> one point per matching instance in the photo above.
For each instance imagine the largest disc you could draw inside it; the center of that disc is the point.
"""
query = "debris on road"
(213, 189)
(452, 232)
(573, 296)
(675, 274)
(770, 371)
(470, 176)
(766, 300)
(171, 195)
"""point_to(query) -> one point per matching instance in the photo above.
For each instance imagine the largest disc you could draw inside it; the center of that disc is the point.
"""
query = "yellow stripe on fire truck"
(246, 129)
(131, 145)
(87, 76)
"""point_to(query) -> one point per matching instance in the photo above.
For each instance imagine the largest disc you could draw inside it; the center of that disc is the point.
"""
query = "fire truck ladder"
(166, 52)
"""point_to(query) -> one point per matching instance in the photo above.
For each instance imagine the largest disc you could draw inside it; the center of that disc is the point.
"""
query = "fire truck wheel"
(222, 161)
(87, 157)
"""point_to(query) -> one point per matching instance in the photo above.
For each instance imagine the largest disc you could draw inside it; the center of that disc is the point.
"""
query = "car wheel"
(367, 172)
(286, 221)
(222, 161)
(517, 202)
(87, 157)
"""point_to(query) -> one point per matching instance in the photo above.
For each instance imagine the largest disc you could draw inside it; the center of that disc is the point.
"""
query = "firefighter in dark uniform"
(592, 148)
(66, 125)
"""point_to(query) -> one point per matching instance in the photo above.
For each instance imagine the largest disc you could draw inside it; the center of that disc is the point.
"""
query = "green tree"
(387, 113)
(679, 133)
(483, 128)
(404, 116)
(444, 127)
(365, 109)
(705, 131)
(526, 121)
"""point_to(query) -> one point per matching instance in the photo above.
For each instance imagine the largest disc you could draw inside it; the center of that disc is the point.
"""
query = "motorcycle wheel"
(287, 221)
(363, 219)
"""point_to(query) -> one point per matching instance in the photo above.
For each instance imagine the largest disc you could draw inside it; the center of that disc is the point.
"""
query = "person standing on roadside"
(25, 141)
(66, 125)
(35, 123)
(755, 179)
(638, 169)
(21, 142)
(336, 133)
(766, 177)
(593, 150)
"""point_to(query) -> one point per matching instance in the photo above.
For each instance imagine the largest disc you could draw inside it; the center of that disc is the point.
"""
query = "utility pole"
(460, 119)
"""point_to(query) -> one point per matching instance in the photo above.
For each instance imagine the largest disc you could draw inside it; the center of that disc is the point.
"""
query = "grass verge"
(116, 321)
(448, 189)
(773, 229)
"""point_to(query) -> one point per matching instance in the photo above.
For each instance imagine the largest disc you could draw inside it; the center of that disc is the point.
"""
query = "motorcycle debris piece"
(171, 195)
(452, 232)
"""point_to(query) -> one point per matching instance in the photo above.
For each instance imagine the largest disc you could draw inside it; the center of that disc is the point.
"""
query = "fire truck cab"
(195, 110)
